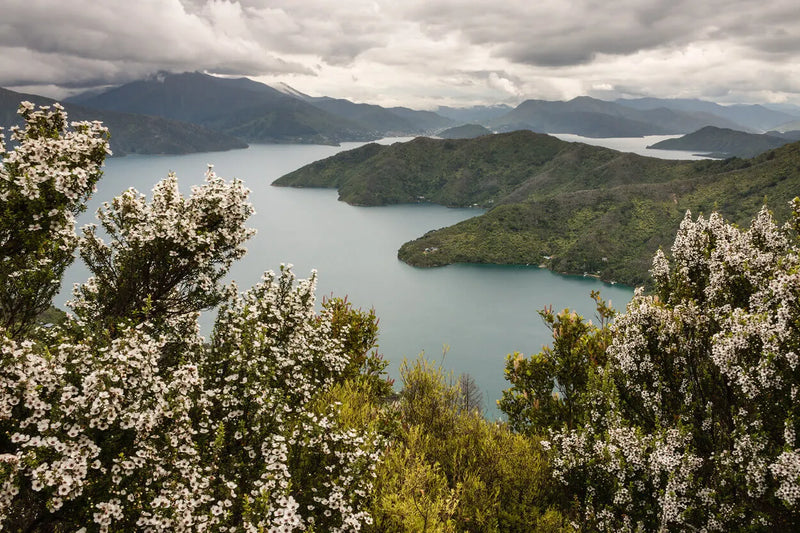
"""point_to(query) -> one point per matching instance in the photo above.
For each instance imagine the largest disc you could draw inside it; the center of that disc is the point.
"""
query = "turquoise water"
(480, 312)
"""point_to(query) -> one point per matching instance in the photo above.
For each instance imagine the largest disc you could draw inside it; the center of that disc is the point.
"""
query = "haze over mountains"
(597, 118)
(753, 117)
(256, 112)
(192, 111)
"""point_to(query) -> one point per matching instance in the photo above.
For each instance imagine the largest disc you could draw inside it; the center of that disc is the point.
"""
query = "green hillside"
(475, 172)
(465, 131)
(723, 141)
(572, 207)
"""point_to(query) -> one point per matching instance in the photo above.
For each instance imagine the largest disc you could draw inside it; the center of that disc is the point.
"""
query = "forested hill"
(573, 207)
(475, 172)
(465, 131)
(723, 141)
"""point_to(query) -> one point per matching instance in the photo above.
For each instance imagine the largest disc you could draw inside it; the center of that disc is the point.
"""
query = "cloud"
(420, 51)
(83, 39)
(552, 33)
(498, 81)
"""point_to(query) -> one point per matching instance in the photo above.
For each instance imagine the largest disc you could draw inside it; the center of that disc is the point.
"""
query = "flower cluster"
(271, 355)
(695, 417)
(125, 418)
(44, 182)
(167, 256)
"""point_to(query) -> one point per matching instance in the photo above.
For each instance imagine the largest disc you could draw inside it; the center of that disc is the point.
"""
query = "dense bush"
(449, 469)
(124, 418)
(691, 424)
(579, 348)
(44, 183)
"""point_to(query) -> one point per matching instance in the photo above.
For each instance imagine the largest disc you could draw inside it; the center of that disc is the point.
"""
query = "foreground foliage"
(44, 182)
(448, 469)
(124, 418)
(691, 424)
(679, 415)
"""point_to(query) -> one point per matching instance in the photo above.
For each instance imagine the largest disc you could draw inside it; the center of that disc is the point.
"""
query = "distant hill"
(788, 126)
(480, 114)
(380, 121)
(372, 118)
(753, 117)
(130, 133)
(791, 135)
(571, 207)
(447, 172)
(467, 131)
(598, 118)
(790, 109)
(243, 108)
(723, 141)
(256, 112)
(424, 121)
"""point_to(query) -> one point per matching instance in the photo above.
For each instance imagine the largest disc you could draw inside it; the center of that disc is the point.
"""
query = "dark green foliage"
(52, 315)
(467, 131)
(724, 141)
(453, 172)
(359, 331)
(613, 232)
(548, 390)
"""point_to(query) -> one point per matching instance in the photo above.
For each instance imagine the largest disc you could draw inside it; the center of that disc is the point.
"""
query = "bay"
(477, 314)
(636, 145)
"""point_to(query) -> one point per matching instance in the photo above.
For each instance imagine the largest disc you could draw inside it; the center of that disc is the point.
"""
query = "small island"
(466, 131)
(723, 142)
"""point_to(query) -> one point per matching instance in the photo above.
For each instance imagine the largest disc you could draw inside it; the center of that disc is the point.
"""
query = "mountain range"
(255, 112)
(479, 114)
(748, 117)
(192, 111)
(130, 133)
(591, 117)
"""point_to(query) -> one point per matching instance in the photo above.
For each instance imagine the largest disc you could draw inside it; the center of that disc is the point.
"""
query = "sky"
(417, 53)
